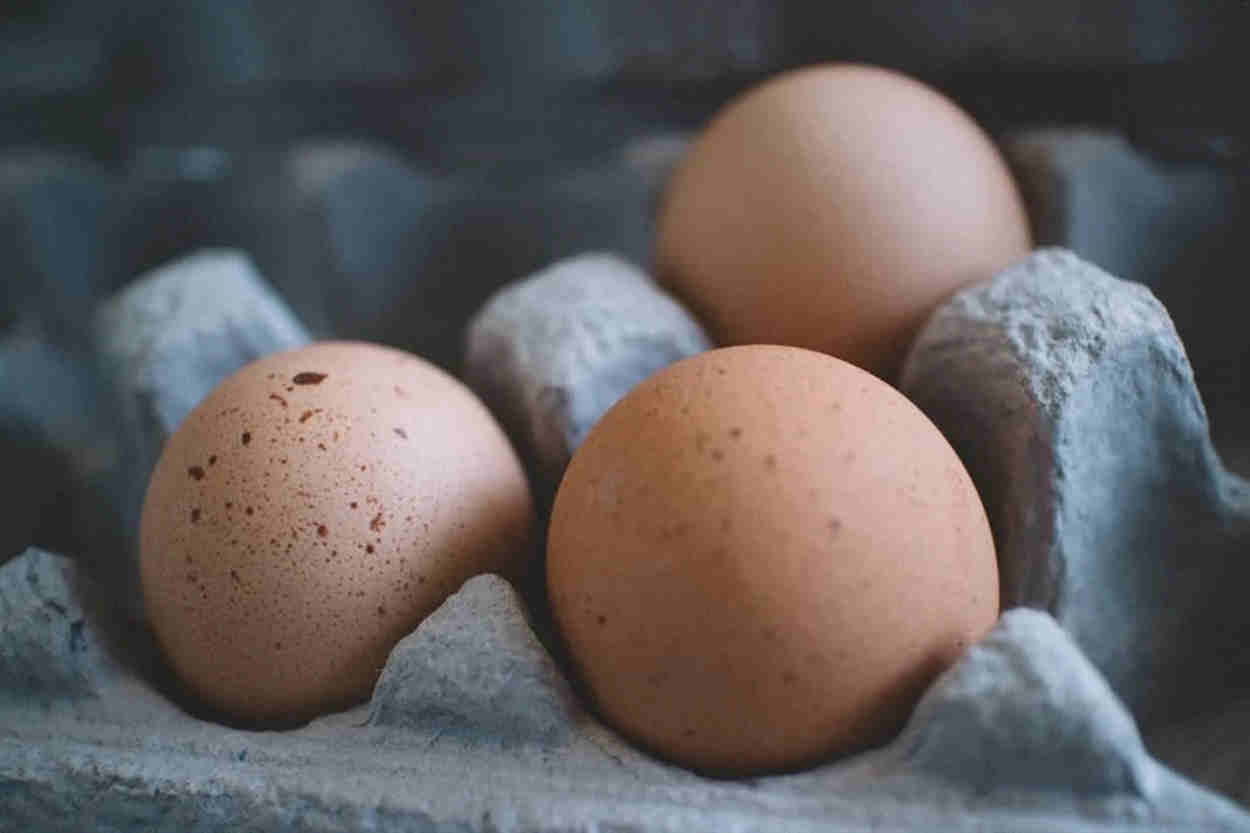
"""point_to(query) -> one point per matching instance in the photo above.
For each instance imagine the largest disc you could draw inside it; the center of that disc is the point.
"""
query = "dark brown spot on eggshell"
(309, 378)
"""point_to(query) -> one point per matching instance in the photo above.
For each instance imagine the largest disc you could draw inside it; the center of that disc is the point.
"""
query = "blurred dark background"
(388, 164)
(456, 82)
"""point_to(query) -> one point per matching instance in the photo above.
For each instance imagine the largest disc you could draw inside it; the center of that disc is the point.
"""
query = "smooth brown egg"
(833, 208)
(761, 556)
(309, 513)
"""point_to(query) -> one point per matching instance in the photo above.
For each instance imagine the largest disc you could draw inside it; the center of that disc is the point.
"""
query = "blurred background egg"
(833, 208)
(761, 556)
(309, 513)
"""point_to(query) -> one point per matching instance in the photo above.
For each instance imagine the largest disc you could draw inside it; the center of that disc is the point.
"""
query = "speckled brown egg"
(309, 513)
(833, 208)
(761, 556)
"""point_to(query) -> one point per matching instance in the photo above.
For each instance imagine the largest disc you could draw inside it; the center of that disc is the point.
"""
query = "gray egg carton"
(1112, 694)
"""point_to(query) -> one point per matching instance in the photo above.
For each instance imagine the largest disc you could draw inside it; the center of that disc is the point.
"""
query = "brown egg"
(309, 513)
(833, 208)
(761, 556)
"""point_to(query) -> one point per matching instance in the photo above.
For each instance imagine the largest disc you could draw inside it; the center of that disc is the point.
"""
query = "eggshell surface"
(309, 513)
(833, 208)
(761, 556)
